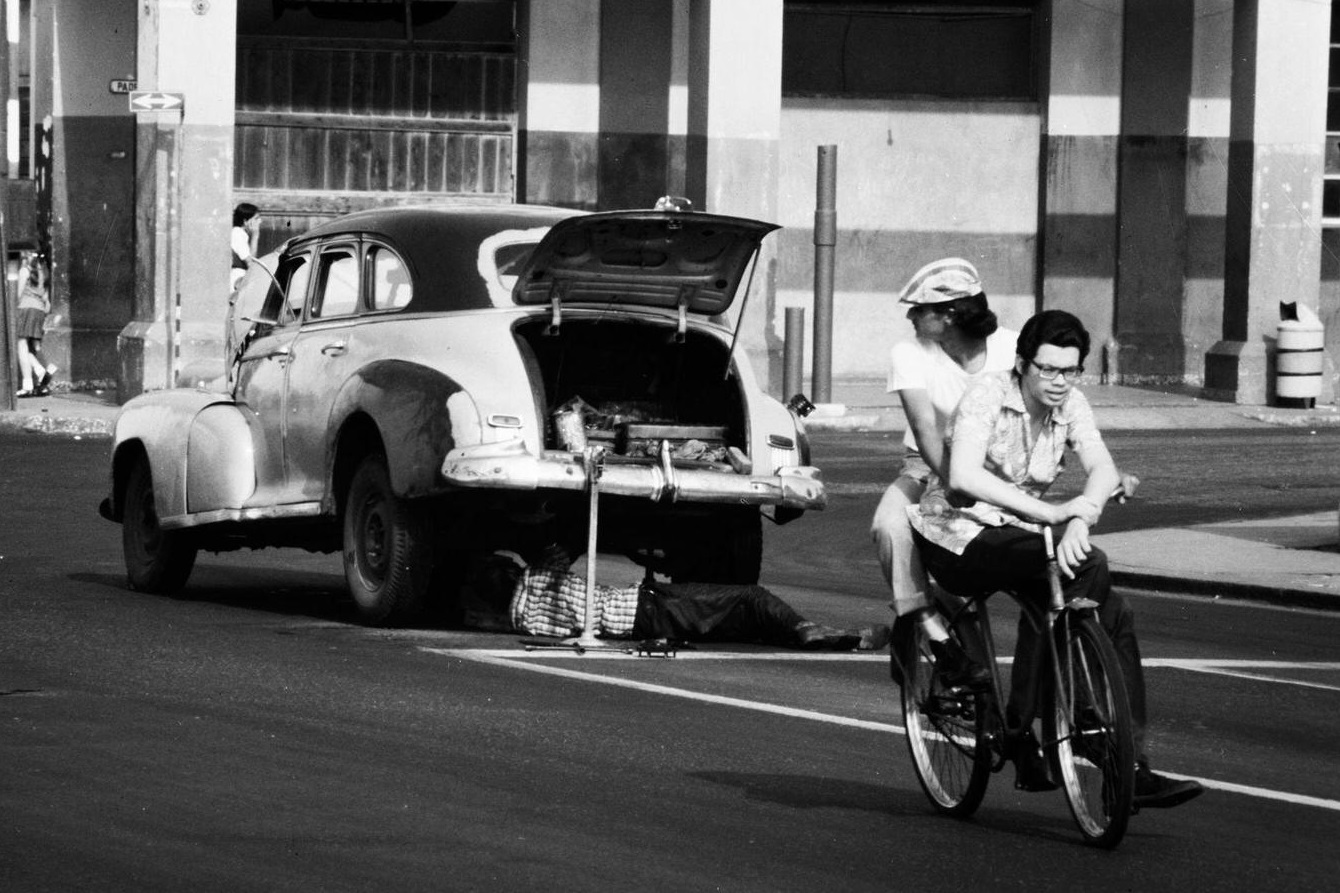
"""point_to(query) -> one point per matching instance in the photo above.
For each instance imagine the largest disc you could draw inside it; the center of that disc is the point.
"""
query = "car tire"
(387, 560)
(731, 551)
(157, 560)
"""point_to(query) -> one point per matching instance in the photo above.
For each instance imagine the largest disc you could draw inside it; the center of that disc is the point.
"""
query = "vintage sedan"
(414, 385)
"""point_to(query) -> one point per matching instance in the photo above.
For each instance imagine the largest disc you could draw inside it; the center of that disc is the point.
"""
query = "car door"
(324, 354)
(262, 372)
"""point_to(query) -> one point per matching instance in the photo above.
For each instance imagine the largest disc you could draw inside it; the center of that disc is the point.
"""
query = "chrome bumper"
(509, 465)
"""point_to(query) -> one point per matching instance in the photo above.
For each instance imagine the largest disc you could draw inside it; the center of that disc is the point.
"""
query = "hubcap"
(374, 539)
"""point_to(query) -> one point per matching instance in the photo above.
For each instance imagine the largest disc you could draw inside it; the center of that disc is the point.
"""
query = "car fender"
(776, 437)
(420, 414)
(199, 446)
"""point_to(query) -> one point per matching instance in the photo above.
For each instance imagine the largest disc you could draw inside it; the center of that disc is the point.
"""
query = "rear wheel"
(157, 560)
(387, 560)
(1088, 721)
(946, 732)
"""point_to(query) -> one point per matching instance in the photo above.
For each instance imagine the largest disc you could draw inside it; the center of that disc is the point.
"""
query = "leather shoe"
(1031, 771)
(1154, 791)
(874, 638)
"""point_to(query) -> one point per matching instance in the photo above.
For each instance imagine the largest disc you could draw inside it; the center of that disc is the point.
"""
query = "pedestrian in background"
(244, 239)
(34, 305)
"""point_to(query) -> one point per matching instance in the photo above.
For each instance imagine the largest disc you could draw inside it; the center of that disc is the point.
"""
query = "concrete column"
(85, 137)
(1151, 198)
(184, 159)
(558, 102)
(1272, 243)
(637, 143)
(1208, 114)
(1082, 118)
(734, 126)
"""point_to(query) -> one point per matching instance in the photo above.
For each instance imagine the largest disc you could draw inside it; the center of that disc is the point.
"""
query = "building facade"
(1167, 170)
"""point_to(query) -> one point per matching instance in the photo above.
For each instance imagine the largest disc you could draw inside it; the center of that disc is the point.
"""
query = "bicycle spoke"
(1090, 726)
(944, 737)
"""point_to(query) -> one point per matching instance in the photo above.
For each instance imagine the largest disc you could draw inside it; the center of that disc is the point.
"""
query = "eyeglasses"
(1049, 373)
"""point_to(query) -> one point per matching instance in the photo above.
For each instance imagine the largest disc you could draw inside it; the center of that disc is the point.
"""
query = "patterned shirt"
(550, 600)
(993, 413)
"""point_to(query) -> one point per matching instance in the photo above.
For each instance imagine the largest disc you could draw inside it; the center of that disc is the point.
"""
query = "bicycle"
(959, 735)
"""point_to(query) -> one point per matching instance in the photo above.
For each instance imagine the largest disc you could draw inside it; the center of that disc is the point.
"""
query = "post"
(172, 312)
(793, 353)
(825, 238)
(7, 382)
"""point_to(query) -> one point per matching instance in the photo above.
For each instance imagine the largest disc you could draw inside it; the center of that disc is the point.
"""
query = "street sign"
(156, 101)
(121, 85)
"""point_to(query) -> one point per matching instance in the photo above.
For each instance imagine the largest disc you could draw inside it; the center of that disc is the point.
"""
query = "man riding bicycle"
(978, 531)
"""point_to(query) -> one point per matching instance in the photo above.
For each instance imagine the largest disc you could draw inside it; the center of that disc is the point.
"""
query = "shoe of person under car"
(815, 635)
(874, 638)
(955, 667)
(1155, 791)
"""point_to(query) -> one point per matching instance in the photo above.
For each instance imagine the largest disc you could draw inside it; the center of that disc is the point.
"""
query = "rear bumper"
(510, 466)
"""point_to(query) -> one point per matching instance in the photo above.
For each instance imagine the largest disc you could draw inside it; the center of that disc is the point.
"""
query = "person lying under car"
(545, 598)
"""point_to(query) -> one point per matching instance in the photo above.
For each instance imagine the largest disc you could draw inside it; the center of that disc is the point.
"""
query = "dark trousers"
(1016, 559)
(704, 612)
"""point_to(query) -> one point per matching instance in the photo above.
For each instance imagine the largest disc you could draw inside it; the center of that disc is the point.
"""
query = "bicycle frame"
(979, 640)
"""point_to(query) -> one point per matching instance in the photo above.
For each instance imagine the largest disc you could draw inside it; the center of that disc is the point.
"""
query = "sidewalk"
(1289, 561)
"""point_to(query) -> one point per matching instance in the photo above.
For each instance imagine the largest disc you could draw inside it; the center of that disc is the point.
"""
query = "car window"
(391, 288)
(337, 286)
(285, 293)
(295, 290)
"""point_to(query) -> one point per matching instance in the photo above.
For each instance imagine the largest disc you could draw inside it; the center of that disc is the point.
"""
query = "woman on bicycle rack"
(1006, 444)
(957, 341)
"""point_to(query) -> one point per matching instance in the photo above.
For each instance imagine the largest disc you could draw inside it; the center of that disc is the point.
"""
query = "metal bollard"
(825, 241)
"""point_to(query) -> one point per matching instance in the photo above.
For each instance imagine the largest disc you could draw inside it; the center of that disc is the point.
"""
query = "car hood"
(644, 258)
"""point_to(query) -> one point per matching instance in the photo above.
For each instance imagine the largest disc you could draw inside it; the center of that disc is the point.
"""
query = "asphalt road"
(250, 737)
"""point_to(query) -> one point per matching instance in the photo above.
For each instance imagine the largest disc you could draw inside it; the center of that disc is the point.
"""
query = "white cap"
(947, 279)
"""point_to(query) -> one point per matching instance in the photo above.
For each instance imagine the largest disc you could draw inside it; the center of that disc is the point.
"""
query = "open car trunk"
(628, 385)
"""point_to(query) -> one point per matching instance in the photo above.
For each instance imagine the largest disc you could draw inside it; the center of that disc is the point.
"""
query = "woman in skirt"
(34, 304)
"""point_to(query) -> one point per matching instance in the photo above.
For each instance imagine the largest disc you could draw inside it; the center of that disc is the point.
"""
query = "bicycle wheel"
(945, 733)
(1089, 732)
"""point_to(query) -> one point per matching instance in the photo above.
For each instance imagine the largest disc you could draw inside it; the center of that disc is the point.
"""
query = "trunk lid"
(642, 258)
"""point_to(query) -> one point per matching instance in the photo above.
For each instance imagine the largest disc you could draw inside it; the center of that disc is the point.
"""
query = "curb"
(44, 423)
(1258, 592)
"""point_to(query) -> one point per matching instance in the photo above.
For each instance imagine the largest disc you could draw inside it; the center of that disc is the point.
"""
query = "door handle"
(281, 353)
(335, 348)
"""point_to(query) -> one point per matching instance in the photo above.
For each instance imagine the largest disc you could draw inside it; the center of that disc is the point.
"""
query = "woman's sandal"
(25, 392)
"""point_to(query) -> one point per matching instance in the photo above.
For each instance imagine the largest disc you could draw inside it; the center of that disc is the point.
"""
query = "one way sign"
(156, 101)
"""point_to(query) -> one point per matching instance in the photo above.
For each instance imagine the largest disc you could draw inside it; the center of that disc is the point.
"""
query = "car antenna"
(739, 320)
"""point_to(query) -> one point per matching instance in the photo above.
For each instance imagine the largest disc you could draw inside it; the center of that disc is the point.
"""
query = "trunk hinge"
(685, 295)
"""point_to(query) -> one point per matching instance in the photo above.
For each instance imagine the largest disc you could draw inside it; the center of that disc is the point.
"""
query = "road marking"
(525, 661)
(509, 659)
(1237, 669)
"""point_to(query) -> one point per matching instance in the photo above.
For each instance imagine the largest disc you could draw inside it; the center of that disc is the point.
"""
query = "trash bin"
(1300, 357)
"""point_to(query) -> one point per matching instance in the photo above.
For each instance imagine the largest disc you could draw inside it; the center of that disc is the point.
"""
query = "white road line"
(493, 657)
(520, 660)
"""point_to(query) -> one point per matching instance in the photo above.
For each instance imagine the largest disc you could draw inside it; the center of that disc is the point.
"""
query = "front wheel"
(387, 562)
(157, 560)
(1088, 722)
(946, 730)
